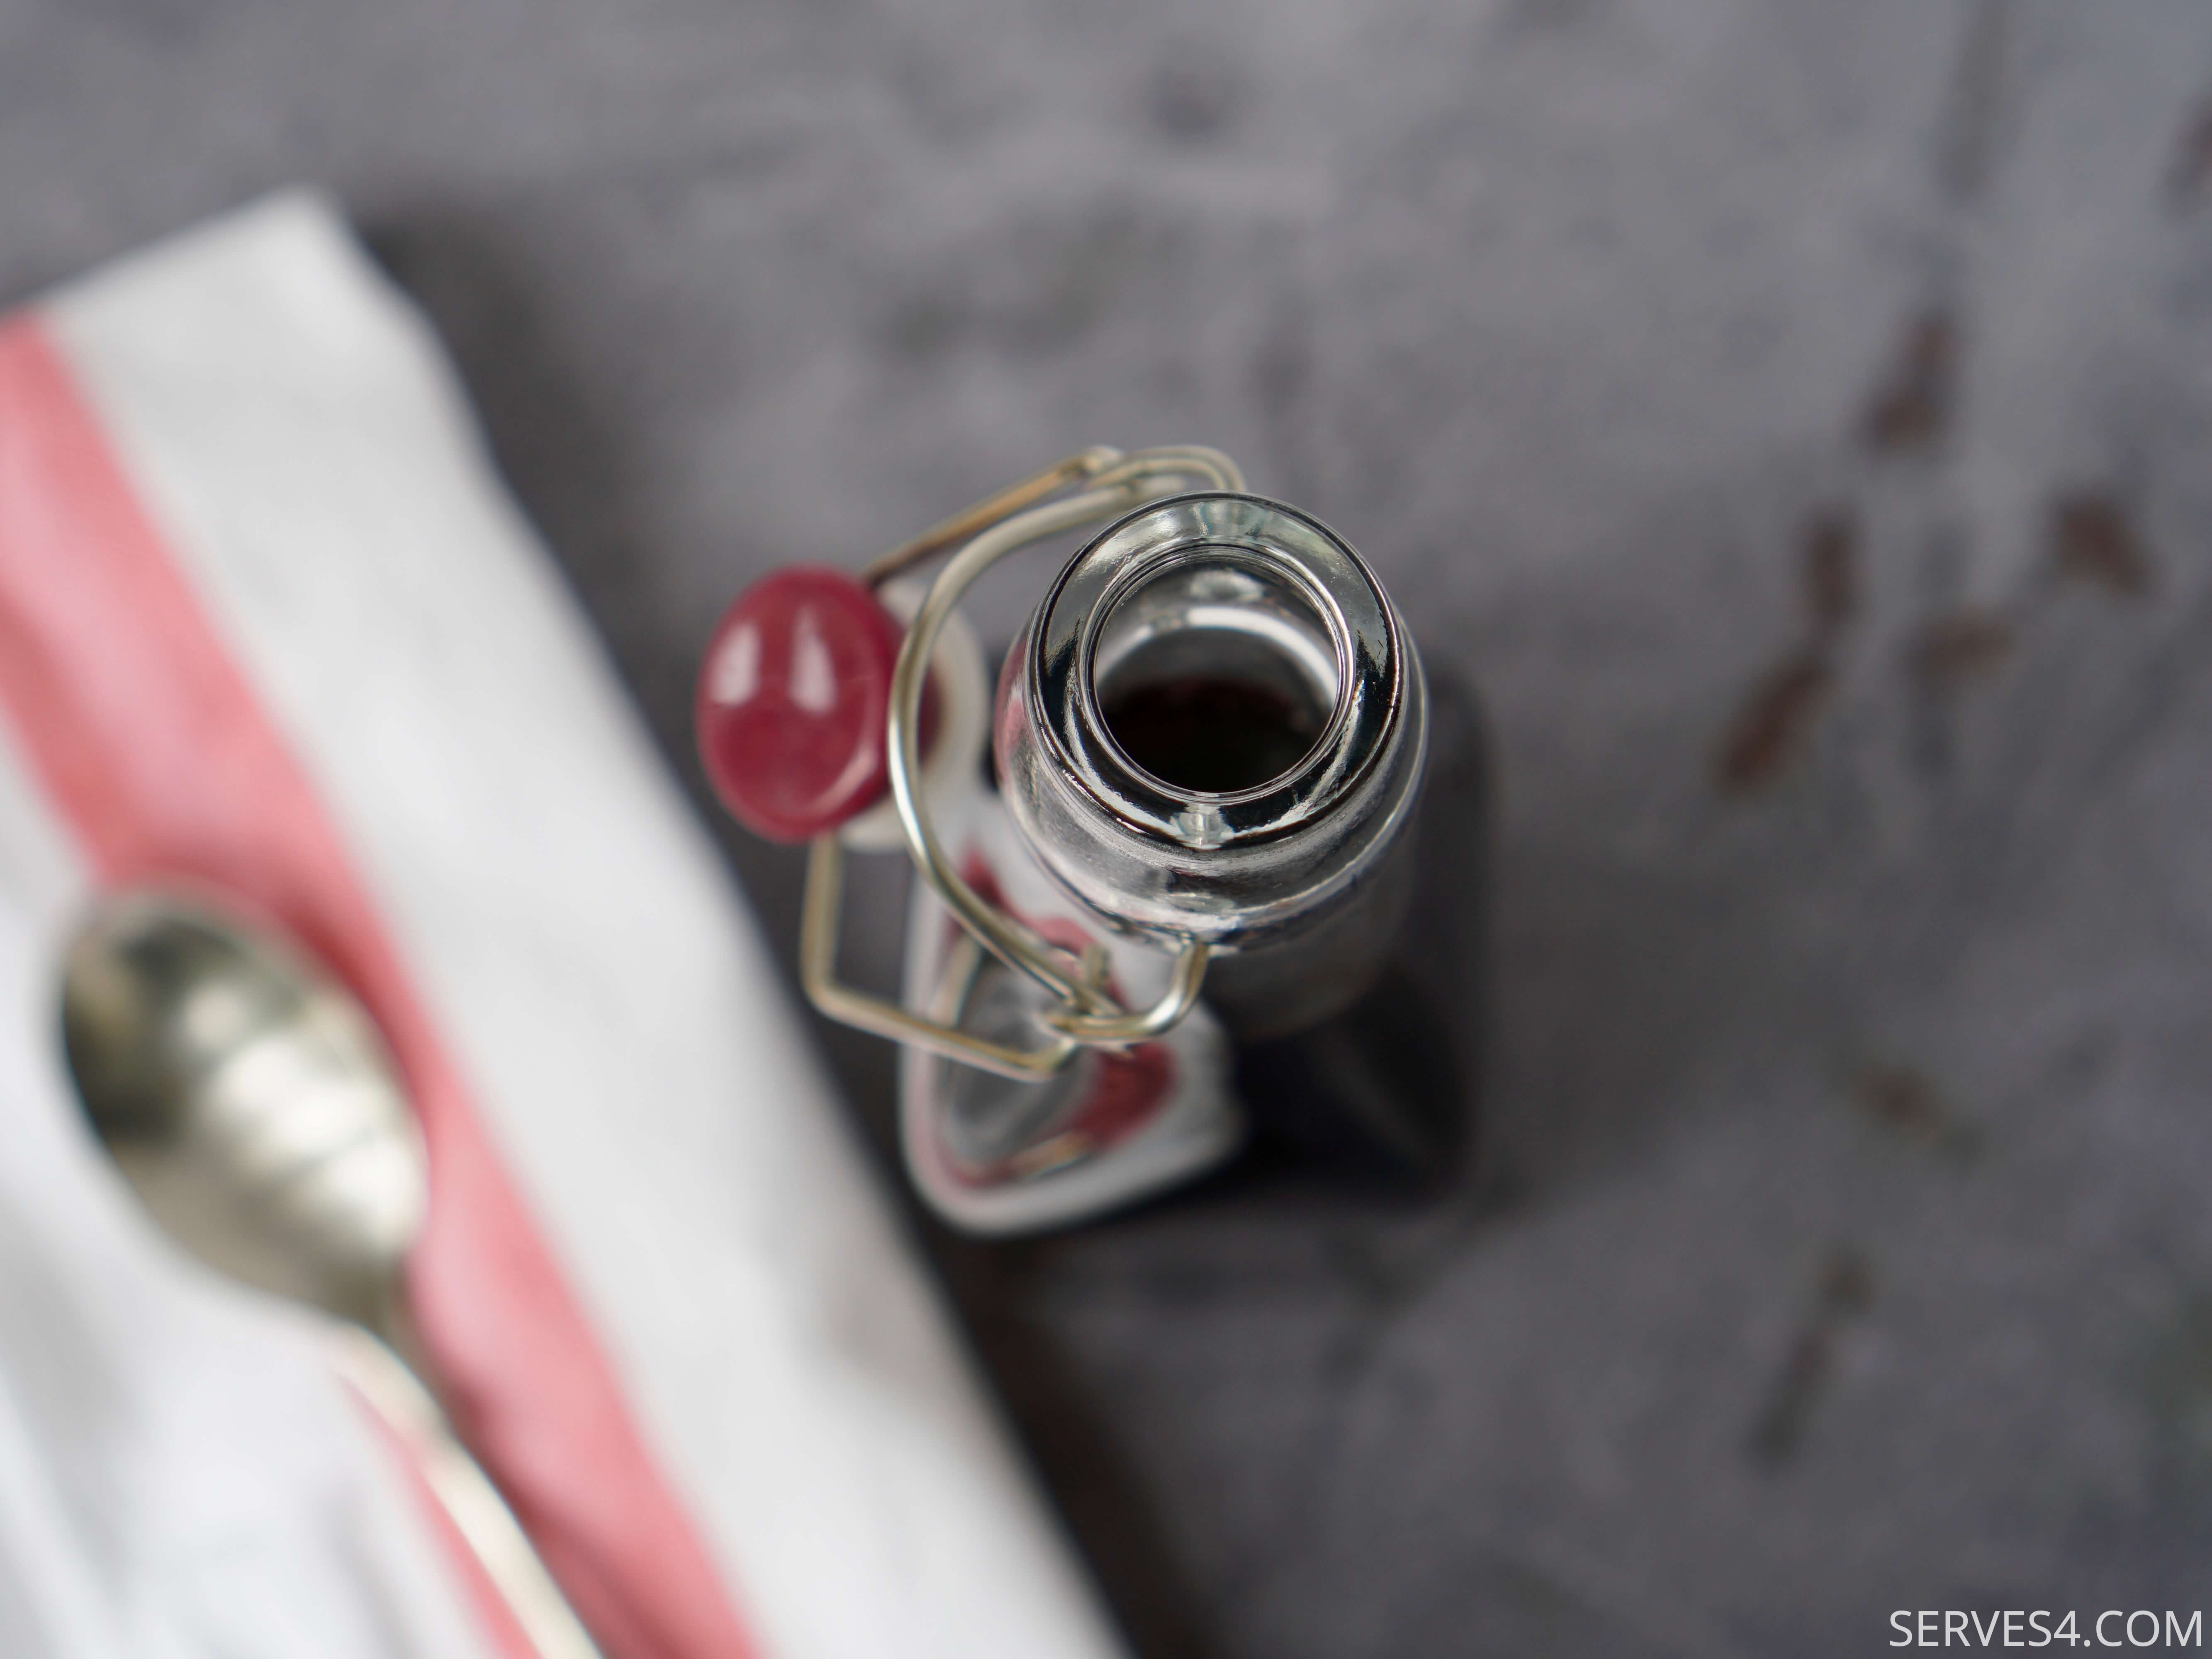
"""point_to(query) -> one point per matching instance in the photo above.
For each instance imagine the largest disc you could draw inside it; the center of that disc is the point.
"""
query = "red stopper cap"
(794, 701)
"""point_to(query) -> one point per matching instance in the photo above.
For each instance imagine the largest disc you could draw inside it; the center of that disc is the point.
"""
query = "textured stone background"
(1794, 416)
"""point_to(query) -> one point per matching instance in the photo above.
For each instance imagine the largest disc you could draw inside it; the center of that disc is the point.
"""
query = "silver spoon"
(252, 1105)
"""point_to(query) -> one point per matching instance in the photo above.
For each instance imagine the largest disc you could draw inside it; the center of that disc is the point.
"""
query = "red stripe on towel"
(153, 745)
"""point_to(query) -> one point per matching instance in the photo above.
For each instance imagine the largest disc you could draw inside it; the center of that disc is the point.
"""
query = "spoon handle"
(478, 1513)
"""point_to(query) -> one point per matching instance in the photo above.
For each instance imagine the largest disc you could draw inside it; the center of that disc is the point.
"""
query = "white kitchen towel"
(268, 621)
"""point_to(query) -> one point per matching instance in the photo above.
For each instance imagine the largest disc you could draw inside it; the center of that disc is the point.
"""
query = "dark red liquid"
(1218, 736)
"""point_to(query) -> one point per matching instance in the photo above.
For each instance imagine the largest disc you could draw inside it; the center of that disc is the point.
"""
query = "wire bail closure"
(1086, 1013)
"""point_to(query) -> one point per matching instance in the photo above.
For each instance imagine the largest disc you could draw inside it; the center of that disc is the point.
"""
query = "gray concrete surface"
(1793, 416)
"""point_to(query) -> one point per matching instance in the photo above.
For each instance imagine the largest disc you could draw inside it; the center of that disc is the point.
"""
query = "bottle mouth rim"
(1219, 577)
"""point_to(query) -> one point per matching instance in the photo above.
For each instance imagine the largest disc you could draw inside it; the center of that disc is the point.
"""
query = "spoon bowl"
(247, 1099)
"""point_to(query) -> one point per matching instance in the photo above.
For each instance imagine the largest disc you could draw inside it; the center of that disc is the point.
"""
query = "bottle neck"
(1214, 722)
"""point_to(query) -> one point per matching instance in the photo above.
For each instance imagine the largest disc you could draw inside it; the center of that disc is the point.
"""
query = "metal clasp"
(1086, 1011)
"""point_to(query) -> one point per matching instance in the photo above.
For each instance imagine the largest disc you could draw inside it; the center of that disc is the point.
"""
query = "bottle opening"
(1216, 676)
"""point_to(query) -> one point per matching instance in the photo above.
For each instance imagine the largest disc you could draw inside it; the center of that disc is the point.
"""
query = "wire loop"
(1086, 1013)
